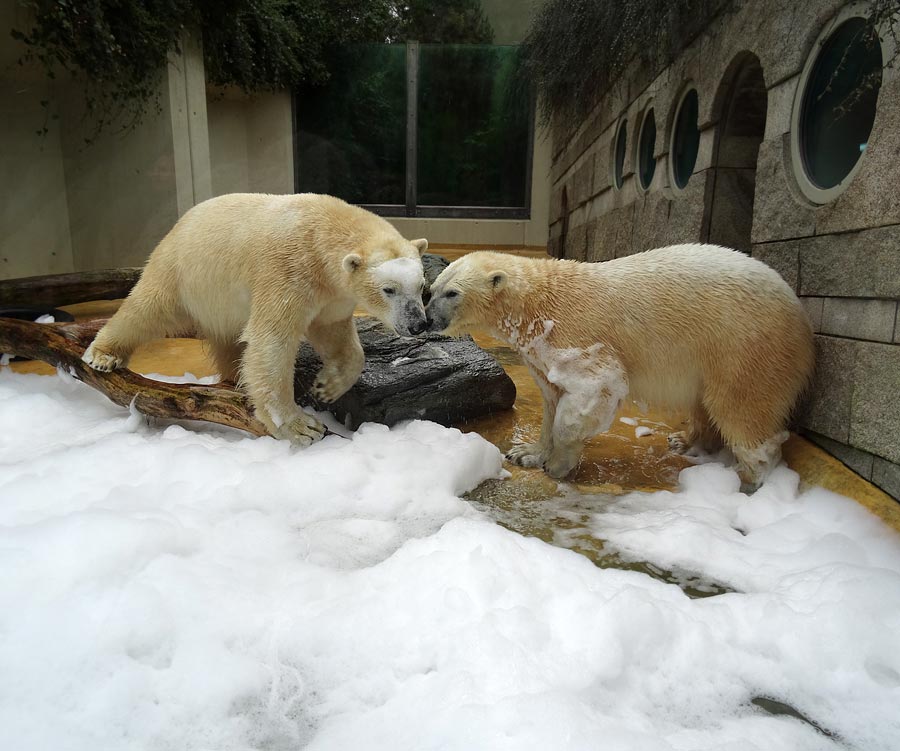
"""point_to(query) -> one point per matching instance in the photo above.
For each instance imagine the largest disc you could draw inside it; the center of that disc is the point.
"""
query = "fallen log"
(63, 345)
(53, 290)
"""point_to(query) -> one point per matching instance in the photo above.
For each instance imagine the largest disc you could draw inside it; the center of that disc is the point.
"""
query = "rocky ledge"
(430, 377)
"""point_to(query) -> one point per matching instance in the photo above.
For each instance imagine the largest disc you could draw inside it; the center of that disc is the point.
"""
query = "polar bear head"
(387, 280)
(465, 294)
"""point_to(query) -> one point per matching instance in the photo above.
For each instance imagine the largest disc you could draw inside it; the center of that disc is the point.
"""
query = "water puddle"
(532, 505)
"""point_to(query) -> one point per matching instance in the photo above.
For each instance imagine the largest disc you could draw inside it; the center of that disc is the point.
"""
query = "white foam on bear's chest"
(403, 271)
(592, 373)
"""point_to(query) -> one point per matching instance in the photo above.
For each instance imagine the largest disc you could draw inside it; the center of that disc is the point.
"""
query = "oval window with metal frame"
(646, 161)
(685, 139)
(834, 111)
(619, 155)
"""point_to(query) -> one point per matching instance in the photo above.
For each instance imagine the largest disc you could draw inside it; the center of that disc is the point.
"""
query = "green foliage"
(576, 49)
(442, 22)
(119, 47)
(271, 44)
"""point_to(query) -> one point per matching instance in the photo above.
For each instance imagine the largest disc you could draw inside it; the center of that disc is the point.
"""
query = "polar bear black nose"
(418, 326)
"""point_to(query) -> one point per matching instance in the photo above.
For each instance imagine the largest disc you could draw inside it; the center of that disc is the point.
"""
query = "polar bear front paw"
(526, 454)
(303, 430)
(102, 361)
(330, 385)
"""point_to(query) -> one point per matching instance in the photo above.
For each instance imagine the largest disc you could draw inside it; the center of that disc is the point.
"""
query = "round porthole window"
(646, 147)
(619, 155)
(685, 140)
(835, 110)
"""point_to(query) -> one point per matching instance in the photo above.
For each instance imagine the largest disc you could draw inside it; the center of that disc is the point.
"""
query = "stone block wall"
(842, 258)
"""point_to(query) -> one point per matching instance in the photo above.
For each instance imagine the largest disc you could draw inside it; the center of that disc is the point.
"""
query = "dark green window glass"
(473, 126)
(646, 147)
(351, 133)
(619, 168)
(686, 140)
(838, 108)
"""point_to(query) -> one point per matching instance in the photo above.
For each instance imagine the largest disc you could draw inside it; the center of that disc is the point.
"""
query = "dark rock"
(433, 265)
(430, 377)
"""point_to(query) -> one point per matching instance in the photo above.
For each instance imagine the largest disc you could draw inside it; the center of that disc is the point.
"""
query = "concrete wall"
(73, 200)
(842, 258)
(251, 142)
(34, 218)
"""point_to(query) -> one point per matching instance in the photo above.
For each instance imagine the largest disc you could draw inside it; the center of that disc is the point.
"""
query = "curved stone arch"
(740, 108)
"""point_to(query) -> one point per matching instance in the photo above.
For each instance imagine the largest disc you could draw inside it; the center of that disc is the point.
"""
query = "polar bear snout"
(413, 318)
(406, 316)
(440, 312)
(434, 321)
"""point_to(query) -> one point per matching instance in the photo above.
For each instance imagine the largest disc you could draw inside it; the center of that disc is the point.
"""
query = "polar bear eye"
(451, 293)
(389, 291)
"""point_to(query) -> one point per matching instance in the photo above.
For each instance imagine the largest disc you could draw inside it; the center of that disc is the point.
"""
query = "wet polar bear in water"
(254, 275)
(697, 328)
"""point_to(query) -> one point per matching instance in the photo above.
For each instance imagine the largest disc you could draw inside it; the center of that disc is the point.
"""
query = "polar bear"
(693, 327)
(255, 274)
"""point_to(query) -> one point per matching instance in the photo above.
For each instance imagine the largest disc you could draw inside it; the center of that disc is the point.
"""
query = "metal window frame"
(411, 209)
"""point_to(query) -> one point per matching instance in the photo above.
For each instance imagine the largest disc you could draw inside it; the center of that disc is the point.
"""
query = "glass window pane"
(473, 123)
(351, 133)
(646, 147)
(686, 141)
(621, 138)
(839, 103)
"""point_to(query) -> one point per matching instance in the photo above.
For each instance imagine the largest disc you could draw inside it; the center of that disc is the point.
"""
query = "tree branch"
(54, 290)
(63, 345)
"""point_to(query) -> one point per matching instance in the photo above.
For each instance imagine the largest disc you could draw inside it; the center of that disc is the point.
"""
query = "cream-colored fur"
(255, 274)
(693, 327)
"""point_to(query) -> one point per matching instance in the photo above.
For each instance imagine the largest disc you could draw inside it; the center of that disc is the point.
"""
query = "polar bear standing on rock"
(694, 327)
(255, 274)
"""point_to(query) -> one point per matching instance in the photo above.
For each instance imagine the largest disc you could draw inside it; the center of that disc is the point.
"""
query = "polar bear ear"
(421, 245)
(352, 262)
(497, 279)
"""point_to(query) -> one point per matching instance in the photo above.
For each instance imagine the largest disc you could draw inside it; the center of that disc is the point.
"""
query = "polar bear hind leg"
(700, 434)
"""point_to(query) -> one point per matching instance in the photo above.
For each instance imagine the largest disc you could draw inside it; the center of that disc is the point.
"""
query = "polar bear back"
(225, 251)
(682, 316)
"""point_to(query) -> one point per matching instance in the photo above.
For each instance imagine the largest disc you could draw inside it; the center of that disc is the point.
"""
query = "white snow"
(628, 421)
(642, 430)
(172, 587)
